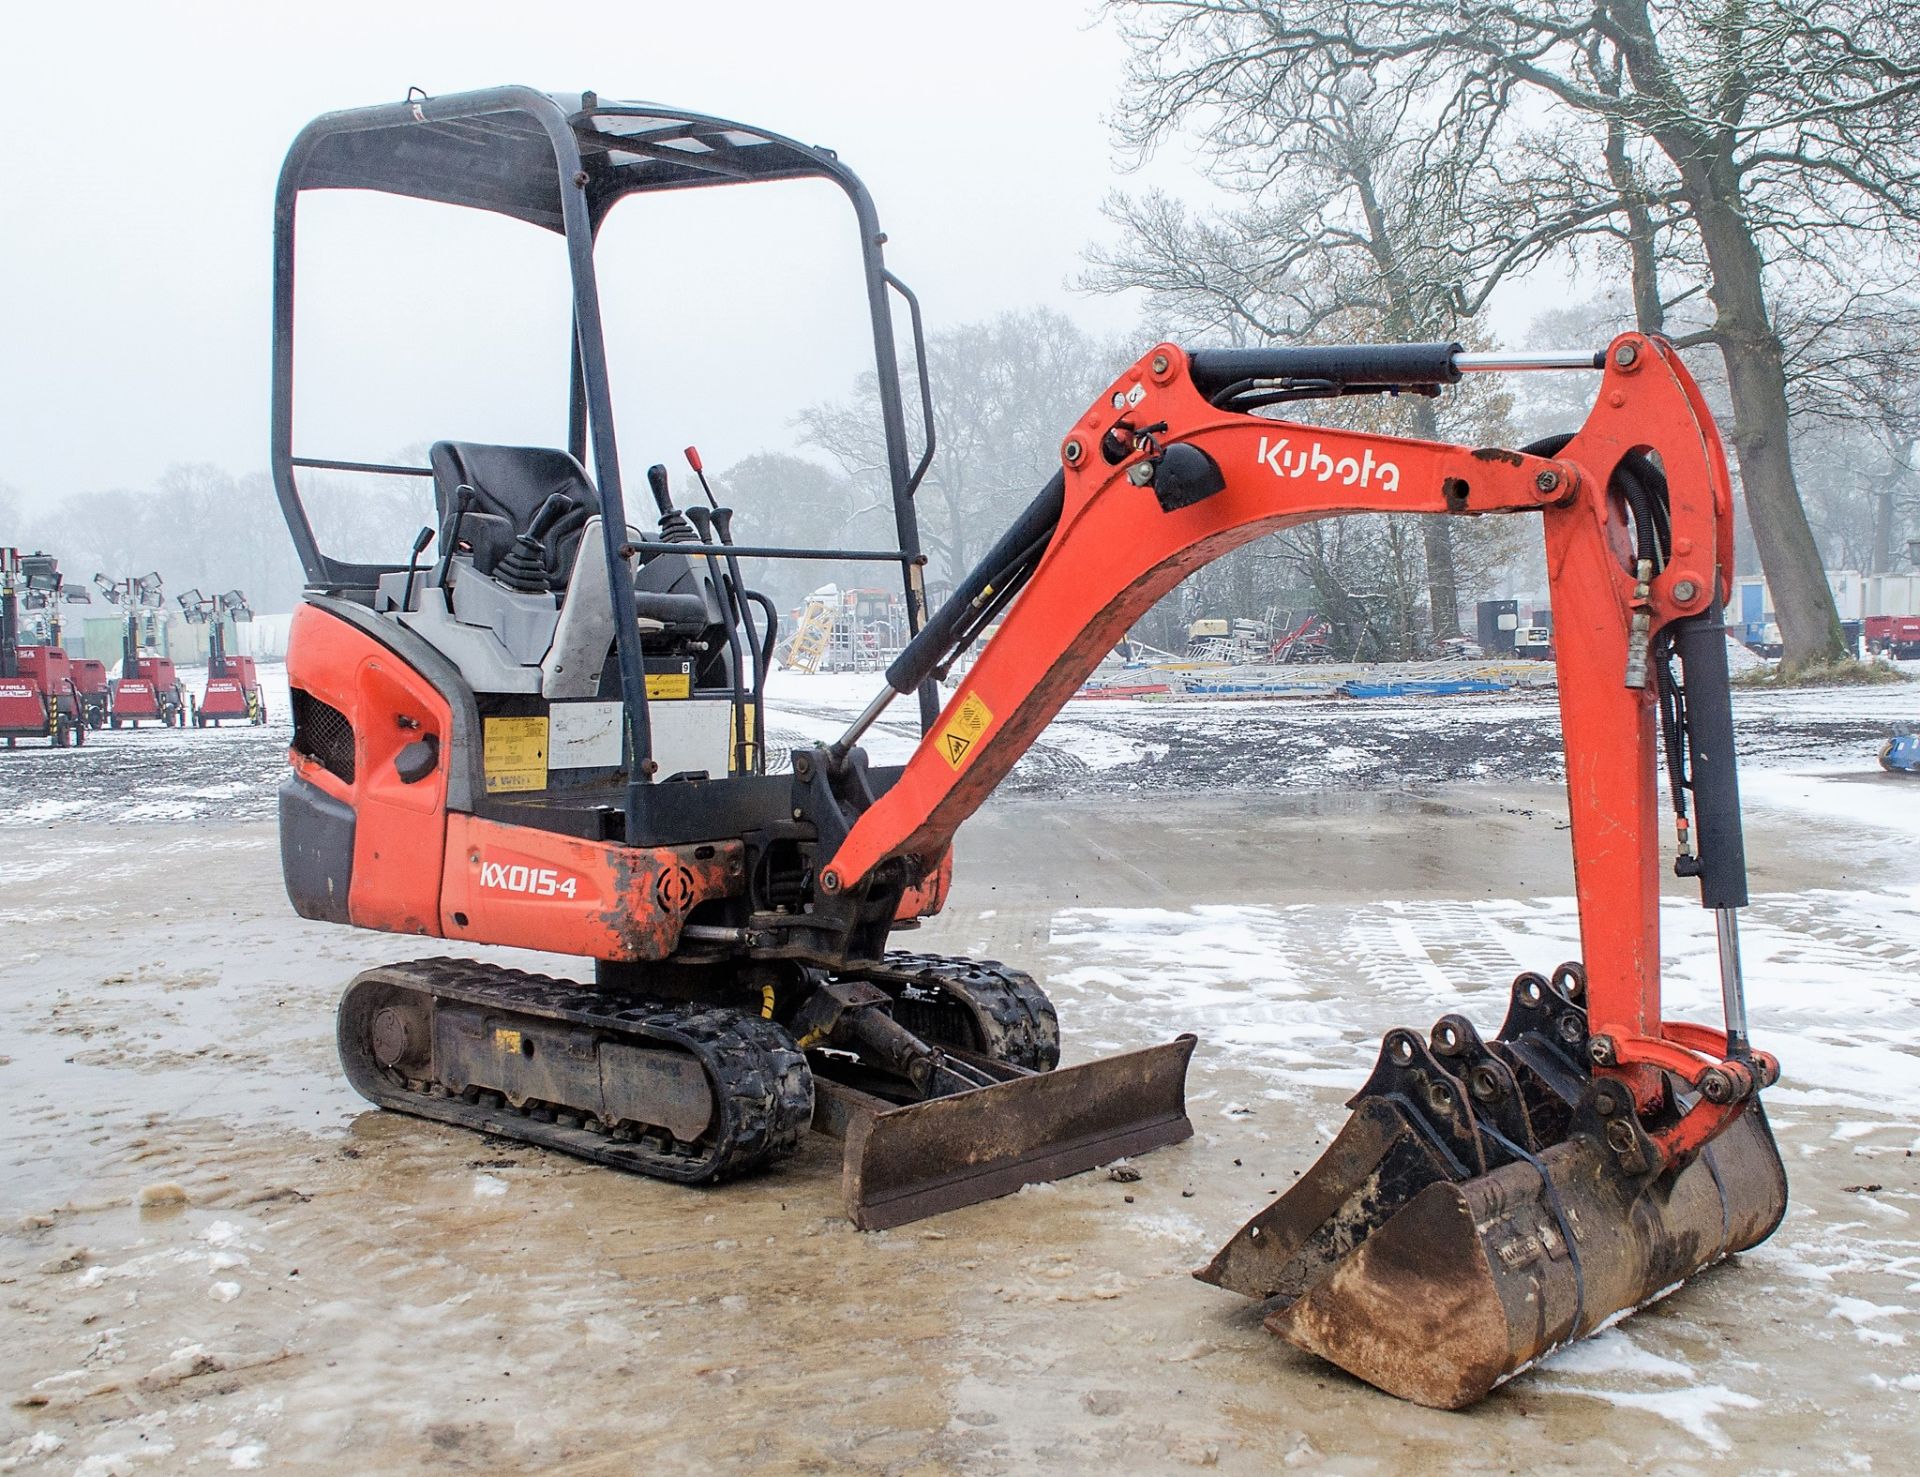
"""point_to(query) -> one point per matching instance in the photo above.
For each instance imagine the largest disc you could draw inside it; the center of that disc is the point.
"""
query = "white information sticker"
(584, 736)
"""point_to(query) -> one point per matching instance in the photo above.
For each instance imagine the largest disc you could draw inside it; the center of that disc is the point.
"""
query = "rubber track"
(764, 1087)
(1020, 1023)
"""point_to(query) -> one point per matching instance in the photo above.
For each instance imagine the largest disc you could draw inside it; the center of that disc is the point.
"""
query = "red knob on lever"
(693, 459)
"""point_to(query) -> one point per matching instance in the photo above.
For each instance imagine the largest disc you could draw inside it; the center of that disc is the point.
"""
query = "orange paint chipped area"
(593, 899)
(929, 895)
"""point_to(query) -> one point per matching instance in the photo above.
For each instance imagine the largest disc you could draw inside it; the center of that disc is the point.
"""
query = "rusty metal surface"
(1471, 1283)
(1438, 1291)
(1489, 1201)
(1374, 1166)
(905, 1163)
(645, 1084)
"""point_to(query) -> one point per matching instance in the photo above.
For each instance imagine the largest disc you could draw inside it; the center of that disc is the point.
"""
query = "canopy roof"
(495, 150)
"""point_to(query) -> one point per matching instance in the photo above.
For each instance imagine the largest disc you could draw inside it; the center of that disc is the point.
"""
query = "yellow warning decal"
(514, 754)
(967, 726)
(734, 755)
(669, 685)
(505, 1040)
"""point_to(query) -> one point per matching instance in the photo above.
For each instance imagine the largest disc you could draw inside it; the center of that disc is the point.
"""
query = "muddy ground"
(312, 1286)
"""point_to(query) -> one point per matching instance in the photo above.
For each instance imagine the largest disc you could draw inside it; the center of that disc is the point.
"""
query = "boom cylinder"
(944, 627)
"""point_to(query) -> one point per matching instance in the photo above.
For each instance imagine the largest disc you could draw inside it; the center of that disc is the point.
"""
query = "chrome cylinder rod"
(1733, 996)
(1529, 359)
(844, 744)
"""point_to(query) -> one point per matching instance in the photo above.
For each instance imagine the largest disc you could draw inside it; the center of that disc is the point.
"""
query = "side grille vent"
(322, 732)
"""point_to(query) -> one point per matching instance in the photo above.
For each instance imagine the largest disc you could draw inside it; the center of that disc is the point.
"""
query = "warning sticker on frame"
(967, 726)
(514, 754)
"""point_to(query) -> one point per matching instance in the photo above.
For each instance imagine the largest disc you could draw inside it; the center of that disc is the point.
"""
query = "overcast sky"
(142, 141)
(137, 169)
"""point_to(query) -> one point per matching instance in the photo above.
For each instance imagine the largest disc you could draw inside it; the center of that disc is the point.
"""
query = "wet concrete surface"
(314, 1286)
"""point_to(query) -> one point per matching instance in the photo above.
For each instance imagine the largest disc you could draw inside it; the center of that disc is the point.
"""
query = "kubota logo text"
(532, 881)
(1319, 466)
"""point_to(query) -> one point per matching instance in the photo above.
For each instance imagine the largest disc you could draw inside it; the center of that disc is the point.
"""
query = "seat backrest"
(510, 485)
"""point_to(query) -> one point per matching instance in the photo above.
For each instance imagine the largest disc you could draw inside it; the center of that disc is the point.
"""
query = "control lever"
(420, 542)
(523, 568)
(674, 528)
(723, 525)
(556, 507)
(463, 497)
(741, 747)
(700, 471)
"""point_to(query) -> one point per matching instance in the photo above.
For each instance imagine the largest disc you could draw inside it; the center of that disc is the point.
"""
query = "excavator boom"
(1625, 1149)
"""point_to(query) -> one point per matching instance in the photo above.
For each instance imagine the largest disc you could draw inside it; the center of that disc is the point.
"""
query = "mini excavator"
(552, 736)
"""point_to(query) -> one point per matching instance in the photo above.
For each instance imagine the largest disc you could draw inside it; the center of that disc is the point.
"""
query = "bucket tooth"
(903, 1163)
(1436, 1274)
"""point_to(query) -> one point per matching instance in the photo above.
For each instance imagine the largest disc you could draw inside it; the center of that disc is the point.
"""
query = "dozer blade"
(1433, 1253)
(903, 1163)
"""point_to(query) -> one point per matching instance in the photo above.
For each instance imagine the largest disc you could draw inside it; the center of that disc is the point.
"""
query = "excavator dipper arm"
(1488, 1199)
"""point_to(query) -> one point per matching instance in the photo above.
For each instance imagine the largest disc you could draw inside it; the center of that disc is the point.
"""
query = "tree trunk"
(1757, 382)
(1443, 591)
(1756, 378)
(1443, 599)
(1881, 559)
(1649, 313)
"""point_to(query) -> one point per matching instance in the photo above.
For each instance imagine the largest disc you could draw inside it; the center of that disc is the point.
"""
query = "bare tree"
(1349, 222)
(1789, 133)
(1004, 392)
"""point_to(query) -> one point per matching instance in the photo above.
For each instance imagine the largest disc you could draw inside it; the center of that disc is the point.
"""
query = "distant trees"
(1006, 390)
(794, 502)
(199, 525)
(1766, 154)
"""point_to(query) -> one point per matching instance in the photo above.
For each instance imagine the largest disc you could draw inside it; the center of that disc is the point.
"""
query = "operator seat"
(510, 485)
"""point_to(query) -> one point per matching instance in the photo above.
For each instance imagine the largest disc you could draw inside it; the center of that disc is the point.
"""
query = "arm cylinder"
(1344, 364)
(1701, 644)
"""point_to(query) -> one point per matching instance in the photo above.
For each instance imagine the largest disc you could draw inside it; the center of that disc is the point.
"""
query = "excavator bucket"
(903, 1163)
(1488, 1202)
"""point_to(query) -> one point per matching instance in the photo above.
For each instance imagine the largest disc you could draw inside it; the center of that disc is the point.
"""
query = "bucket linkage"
(1490, 1200)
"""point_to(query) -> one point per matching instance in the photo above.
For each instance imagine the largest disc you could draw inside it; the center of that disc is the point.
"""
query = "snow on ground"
(1194, 745)
(1298, 995)
(151, 773)
(280, 1307)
